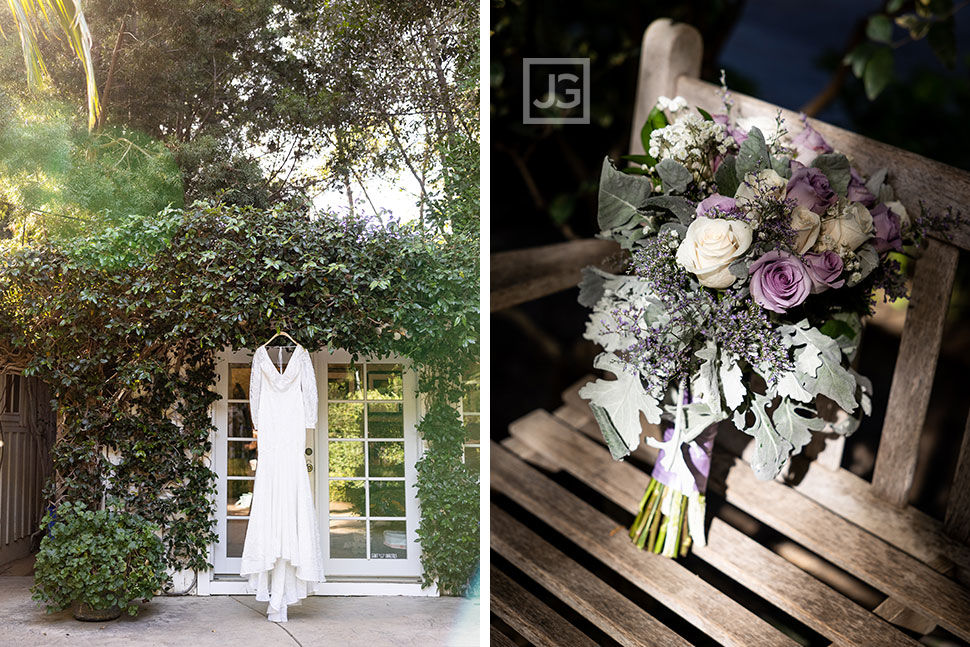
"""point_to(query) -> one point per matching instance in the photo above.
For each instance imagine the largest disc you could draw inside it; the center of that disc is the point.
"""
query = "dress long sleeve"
(255, 383)
(308, 383)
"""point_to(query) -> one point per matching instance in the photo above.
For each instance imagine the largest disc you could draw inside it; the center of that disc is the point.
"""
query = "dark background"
(544, 177)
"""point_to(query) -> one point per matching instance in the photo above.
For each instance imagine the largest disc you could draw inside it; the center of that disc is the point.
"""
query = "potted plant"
(97, 562)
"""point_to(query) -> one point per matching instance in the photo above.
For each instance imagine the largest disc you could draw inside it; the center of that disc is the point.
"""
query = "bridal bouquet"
(753, 256)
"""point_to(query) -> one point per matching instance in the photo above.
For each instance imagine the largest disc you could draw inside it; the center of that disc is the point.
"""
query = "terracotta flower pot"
(86, 613)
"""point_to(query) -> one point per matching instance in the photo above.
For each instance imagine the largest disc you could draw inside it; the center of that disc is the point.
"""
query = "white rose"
(710, 246)
(766, 183)
(897, 208)
(807, 225)
(845, 232)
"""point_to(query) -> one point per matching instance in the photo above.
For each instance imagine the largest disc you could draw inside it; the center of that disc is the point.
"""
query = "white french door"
(361, 459)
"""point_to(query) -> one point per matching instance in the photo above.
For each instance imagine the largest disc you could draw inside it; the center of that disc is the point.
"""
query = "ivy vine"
(125, 328)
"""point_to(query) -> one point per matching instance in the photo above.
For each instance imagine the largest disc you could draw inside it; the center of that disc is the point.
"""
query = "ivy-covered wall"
(125, 328)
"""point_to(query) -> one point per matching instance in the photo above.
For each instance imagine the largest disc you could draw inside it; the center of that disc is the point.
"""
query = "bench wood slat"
(529, 616)
(957, 523)
(909, 396)
(497, 639)
(913, 177)
(665, 580)
(526, 274)
(590, 596)
(729, 550)
(841, 491)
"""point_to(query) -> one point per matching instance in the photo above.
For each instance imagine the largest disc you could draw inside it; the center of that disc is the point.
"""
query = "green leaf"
(880, 28)
(675, 176)
(704, 113)
(894, 5)
(879, 72)
(835, 328)
(836, 167)
(752, 155)
(655, 120)
(859, 57)
(562, 207)
(916, 26)
(639, 159)
(620, 197)
(726, 177)
(942, 39)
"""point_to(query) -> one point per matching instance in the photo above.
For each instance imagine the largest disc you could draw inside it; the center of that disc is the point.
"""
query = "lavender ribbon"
(689, 475)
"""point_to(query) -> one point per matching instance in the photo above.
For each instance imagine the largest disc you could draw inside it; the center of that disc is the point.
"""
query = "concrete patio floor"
(240, 621)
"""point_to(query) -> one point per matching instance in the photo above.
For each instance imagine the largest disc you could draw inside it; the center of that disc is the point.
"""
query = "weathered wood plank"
(914, 178)
(842, 492)
(590, 596)
(729, 550)
(909, 396)
(498, 639)
(669, 50)
(957, 523)
(665, 580)
(525, 613)
(525, 274)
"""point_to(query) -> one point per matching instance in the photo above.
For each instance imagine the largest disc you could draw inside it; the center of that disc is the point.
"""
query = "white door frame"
(344, 577)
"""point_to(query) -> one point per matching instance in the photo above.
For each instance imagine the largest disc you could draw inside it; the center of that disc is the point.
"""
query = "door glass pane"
(239, 496)
(385, 382)
(473, 459)
(347, 458)
(235, 536)
(388, 540)
(387, 499)
(348, 539)
(386, 459)
(346, 420)
(471, 401)
(472, 428)
(343, 382)
(385, 420)
(242, 458)
(347, 498)
(239, 381)
(240, 422)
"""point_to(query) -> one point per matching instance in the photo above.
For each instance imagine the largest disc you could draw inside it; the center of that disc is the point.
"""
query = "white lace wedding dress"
(281, 554)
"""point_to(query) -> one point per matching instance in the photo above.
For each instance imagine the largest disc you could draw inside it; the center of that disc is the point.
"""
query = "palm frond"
(30, 16)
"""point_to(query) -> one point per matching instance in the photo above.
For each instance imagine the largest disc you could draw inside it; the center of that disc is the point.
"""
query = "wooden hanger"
(280, 333)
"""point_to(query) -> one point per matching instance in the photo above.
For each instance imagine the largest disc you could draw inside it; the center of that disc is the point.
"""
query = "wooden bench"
(826, 558)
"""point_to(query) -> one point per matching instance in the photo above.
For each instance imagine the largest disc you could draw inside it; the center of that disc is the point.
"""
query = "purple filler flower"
(824, 270)
(722, 204)
(810, 188)
(886, 229)
(858, 191)
(809, 144)
(779, 281)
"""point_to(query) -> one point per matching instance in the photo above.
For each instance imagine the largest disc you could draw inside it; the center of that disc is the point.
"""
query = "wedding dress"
(281, 554)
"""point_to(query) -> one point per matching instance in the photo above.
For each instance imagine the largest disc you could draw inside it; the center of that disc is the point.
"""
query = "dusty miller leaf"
(622, 400)
(707, 386)
(835, 166)
(731, 381)
(620, 197)
(675, 176)
(794, 427)
(752, 155)
(771, 451)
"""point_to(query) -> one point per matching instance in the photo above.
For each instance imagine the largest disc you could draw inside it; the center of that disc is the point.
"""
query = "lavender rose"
(779, 281)
(809, 144)
(824, 270)
(718, 203)
(736, 133)
(809, 188)
(886, 227)
(857, 189)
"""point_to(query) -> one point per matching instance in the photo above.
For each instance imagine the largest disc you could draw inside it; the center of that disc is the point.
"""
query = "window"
(365, 434)
(12, 387)
(241, 460)
(471, 413)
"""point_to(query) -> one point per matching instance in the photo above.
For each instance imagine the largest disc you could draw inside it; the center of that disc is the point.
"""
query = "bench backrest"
(670, 64)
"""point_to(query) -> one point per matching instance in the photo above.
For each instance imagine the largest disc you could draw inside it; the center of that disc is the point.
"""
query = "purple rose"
(858, 191)
(824, 270)
(809, 144)
(722, 204)
(809, 188)
(886, 229)
(738, 135)
(779, 281)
